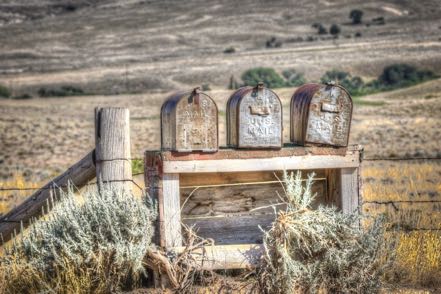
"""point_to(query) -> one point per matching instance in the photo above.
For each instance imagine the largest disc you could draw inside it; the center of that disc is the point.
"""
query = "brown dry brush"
(319, 251)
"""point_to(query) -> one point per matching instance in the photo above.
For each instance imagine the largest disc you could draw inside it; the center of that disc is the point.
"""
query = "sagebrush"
(321, 250)
(94, 243)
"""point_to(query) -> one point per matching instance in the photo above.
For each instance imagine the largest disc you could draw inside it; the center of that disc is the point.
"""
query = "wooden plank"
(172, 210)
(77, 175)
(112, 140)
(226, 256)
(202, 179)
(225, 199)
(262, 164)
(287, 151)
(153, 180)
(349, 190)
(232, 229)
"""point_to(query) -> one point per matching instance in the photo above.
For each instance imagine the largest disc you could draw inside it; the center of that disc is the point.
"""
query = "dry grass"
(418, 252)
(9, 199)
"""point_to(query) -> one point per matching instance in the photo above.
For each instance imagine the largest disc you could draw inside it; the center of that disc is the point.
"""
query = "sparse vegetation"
(319, 251)
(62, 91)
(96, 245)
(356, 15)
(4, 92)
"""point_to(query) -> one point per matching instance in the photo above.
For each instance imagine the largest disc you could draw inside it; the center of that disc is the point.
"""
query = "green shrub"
(334, 30)
(356, 15)
(293, 78)
(320, 250)
(266, 75)
(401, 75)
(96, 245)
(354, 85)
(4, 92)
(62, 91)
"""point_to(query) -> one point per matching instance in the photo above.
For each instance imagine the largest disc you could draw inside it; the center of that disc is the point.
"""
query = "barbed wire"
(141, 173)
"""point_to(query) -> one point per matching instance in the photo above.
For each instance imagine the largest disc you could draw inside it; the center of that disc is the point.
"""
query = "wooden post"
(112, 140)
(77, 175)
(164, 190)
(349, 189)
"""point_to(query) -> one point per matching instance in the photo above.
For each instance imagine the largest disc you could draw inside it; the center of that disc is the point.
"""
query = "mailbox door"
(329, 117)
(196, 124)
(260, 120)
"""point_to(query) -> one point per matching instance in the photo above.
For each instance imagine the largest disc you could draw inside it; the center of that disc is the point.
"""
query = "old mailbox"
(254, 118)
(321, 114)
(189, 122)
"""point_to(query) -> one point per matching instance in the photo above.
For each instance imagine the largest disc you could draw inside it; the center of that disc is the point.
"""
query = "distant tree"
(321, 30)
(356, 15)
(399, 75)
(229, 50)
(263, 74)
(4, 92)
(334, 30)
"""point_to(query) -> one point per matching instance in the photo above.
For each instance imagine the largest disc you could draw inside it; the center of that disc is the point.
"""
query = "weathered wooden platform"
(227, 195)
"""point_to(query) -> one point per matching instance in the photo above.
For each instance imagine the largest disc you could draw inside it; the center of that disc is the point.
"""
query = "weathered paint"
(254, 118)
(189, 122)
(321, 114)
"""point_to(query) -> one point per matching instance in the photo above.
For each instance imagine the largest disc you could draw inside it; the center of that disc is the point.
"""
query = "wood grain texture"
(172, 210)
(232, 229)
(287, 151)
(112, 141)
(77, 175)
(226, 256)
(263, 164)
(349, 190)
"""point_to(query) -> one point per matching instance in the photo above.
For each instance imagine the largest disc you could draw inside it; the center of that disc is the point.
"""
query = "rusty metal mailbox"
(254, 118)
(321, 114)
(189, 122)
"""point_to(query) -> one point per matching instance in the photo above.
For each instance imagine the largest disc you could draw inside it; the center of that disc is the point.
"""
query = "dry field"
(152, 48)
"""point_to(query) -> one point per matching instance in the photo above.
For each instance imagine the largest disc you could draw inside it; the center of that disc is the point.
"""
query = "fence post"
(112, 148)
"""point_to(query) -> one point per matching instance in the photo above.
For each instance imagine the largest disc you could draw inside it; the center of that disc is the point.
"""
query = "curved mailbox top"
(321, 114)
(254, 118)
(189, 122)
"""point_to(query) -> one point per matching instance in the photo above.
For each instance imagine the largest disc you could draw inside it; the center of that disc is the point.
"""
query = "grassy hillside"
(115, 46)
